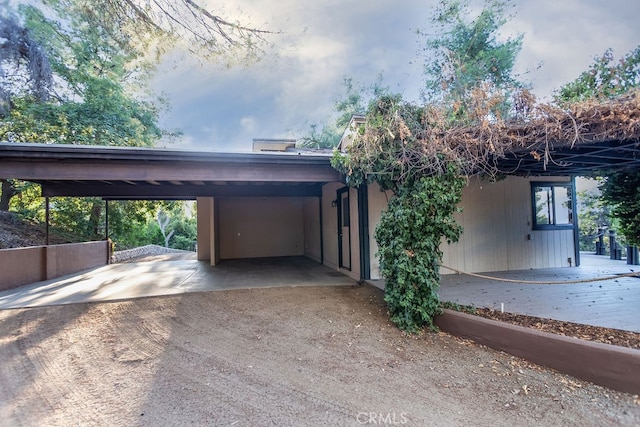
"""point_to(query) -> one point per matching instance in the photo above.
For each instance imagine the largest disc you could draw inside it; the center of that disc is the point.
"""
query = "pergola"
(580, 159)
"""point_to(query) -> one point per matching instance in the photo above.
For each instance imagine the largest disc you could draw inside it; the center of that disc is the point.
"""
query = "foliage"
(605, 79)
(157, 26)
(134, 223)
(95, 94)
(28, 203)
(24, 66)
(131, 223)
(85, 87)
(463, 55)
(99, 90)
(622, 192)
(471, 309)
(352, 102)
(418, 217)
(321, 136)
(592, 217)
(409, 235)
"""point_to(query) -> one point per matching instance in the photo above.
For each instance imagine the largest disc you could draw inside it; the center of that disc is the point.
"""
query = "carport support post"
(106, 219)
(46, 221)
(207, 230)
(363, 231)
(204, 212)
(576, 226)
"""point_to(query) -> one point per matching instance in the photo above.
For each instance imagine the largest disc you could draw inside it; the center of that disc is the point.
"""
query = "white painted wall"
(312, 237)
(498, 234)
(355, 235)
(497, 222)
(254, 227)
(378, 200)
(330, 224)
(330, 229)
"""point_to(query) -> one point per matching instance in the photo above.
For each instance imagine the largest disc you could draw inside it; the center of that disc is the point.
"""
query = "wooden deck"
(613, 303)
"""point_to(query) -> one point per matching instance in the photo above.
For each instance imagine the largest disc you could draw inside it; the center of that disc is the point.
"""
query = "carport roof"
(123, 172)
(145, 173)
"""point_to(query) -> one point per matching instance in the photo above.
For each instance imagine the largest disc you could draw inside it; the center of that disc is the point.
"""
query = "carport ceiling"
(140, 173)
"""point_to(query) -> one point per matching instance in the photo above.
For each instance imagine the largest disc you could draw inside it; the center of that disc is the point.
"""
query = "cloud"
(322, 42)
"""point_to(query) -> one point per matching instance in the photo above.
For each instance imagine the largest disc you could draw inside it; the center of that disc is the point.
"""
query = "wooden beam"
(187, 191)
(40, 170)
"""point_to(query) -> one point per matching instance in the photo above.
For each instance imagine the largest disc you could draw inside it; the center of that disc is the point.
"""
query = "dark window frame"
(553, 225)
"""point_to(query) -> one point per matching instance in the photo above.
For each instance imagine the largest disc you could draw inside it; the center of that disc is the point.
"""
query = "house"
(286, 202)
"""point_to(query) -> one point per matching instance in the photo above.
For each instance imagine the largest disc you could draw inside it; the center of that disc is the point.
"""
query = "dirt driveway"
(281, 356)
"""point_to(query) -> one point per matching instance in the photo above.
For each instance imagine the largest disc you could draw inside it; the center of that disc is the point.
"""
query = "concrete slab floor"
(144, 279)
(610, 303)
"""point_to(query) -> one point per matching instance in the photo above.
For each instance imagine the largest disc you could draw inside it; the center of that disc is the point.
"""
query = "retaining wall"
(129, 254)
(22, 266)
(608, 365)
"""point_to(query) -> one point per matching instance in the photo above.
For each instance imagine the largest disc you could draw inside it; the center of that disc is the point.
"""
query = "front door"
(344, 233)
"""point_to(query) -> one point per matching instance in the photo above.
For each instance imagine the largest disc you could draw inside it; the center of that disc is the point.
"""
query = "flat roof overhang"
(144, 173)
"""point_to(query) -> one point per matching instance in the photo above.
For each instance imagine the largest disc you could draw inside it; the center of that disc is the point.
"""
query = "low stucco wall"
(22, 266)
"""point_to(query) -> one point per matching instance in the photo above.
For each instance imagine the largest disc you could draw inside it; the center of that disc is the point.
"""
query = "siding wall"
(498, 235)
(377, 203)
(330, 224)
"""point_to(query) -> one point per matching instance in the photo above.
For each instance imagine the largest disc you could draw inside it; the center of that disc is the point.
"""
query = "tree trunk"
(94, 220)
(8, 191)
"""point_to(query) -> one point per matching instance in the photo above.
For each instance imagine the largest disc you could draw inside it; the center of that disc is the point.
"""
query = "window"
(552, 205)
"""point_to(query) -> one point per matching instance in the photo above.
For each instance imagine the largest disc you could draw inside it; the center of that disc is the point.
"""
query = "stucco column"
(214, 235)
(204, 210)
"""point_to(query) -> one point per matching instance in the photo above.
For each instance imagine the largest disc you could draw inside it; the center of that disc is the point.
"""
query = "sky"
(320, 43)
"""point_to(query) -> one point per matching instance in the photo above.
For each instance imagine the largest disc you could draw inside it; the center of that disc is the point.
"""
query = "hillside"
(17, 233)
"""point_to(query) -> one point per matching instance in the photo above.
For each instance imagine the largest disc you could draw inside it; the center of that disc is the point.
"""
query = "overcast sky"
(324, 41)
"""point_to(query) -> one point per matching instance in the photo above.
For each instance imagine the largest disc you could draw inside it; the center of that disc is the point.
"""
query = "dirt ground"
(283, 356)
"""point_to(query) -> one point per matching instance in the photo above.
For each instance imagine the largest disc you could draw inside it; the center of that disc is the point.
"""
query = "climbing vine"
(409, 235)
(390, 150)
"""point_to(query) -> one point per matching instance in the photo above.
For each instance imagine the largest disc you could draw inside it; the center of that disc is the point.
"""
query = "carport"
(250, 205)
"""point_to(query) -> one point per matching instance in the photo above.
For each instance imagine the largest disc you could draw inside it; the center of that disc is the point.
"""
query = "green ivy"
(409, 235)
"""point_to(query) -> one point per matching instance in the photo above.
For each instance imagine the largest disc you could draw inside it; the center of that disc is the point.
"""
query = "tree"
(353, 101)
(593, 217)
(160, 25)
(89, 99)
(606, 79)
(164, 219)
(622, 192)
(24, 65)
(465, 56)
(75, 71)
(24, 71)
